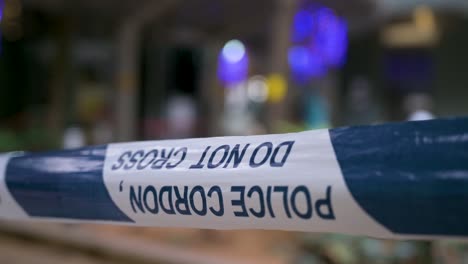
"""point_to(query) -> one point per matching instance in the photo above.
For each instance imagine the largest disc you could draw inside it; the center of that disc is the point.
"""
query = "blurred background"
(75, 73)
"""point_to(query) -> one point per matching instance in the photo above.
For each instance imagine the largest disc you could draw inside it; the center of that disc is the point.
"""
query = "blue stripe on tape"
(411, 177)
(63, 184)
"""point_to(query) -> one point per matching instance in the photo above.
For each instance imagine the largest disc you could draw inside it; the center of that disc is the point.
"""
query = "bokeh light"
(277, 87)
(305, 63)
(303, 24)
(257, 89)
(331, 37)
(1, 10)
(233, 63)
(233, 51)
(320, 40)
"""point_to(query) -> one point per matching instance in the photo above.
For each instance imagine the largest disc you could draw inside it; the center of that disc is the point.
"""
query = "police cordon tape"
(401, 180)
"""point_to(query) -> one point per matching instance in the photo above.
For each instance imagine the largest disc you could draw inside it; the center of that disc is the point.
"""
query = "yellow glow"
(421, 31)
(277, 88)
(424, 19)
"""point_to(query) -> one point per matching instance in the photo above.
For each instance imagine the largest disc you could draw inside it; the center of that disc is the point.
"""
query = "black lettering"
(236, 156)
(140, 166)
(159, 163)
(261, 212)
(168, 208)
(213, 155)
(220, 211)
(324, 206)
(284, 190)
(151, 189)
(268, 202)
(200, 190)
(288, 145)
(121, 160)
(269, 147)
(184, 154)
(182, 201)
(199, 165)
(134, 159)
(240, 202)
(308, 213)
(136, 200)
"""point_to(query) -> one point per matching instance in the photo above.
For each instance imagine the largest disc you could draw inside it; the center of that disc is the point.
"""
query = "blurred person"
(362, 109)
(181, 117)
(237, 119)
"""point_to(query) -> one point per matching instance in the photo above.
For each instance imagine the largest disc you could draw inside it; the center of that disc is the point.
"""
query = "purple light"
(303, 24)
(1, 9)
(321, 41)
(305, 63)
(331, 37)
(233, 63)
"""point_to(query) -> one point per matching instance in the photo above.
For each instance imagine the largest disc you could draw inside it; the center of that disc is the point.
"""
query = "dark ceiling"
(189, 20)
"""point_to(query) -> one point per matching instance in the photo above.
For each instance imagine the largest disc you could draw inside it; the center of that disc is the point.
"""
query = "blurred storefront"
(92, 72)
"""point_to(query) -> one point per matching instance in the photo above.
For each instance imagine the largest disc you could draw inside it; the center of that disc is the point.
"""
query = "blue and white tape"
(403, 180)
